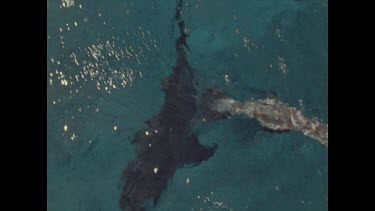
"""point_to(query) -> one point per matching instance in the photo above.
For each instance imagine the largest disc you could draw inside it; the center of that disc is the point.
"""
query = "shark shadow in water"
(168, 143)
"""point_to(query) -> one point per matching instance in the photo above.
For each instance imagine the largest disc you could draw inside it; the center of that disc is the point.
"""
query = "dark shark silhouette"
(168, 143)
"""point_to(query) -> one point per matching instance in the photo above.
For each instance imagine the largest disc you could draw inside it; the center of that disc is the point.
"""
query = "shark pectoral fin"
(202, 153)
(209, 97)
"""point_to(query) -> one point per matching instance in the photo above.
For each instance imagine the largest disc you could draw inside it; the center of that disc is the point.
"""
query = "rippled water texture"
(105, 64)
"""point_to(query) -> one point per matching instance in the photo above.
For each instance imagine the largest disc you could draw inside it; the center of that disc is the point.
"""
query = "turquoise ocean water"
(105, 63)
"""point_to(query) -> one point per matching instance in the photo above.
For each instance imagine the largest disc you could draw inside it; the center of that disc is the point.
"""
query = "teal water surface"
(105, 64)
